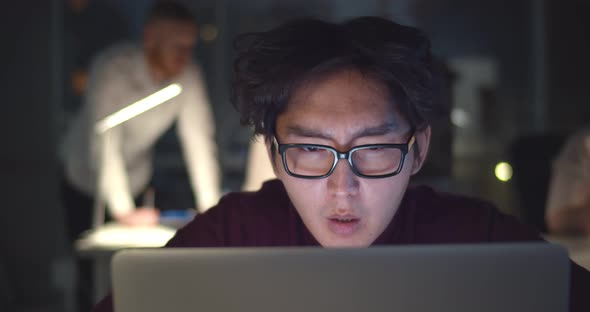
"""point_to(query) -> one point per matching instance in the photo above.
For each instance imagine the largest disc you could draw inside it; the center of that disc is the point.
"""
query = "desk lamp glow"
(103, 126)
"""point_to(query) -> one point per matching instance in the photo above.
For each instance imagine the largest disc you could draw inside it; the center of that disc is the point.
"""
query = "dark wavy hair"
(271, 65)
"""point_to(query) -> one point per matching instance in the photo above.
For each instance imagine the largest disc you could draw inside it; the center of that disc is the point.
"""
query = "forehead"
(342, 103)
(177, 29)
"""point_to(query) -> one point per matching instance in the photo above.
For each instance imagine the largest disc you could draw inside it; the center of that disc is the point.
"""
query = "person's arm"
(113, 179)
(568, 201)
(106, 91)
(573, 219)
(196, 130)
(114, 184)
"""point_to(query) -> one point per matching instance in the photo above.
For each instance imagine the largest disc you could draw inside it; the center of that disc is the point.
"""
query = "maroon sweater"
(268, 218)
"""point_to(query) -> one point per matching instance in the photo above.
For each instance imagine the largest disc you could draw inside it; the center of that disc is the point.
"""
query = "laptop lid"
(420, 278)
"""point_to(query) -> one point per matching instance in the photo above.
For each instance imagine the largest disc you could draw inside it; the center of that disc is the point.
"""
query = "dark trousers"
(78, 213)
(78, 210)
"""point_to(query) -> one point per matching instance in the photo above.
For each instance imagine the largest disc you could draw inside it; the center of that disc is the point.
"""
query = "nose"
(343, 182)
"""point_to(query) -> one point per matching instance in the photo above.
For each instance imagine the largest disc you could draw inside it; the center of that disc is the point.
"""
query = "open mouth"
(344, 220)
(343, 225)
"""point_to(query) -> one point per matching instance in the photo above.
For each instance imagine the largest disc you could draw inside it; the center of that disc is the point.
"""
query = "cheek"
(382, 197)
(306, 195)
(307, 190)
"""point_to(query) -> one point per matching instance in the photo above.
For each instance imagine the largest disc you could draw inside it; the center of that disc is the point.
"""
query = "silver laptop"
(459, 278)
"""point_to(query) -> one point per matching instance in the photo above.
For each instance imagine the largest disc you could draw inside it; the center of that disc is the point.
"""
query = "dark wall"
(30, 220)
(568, 34)
(499, 30)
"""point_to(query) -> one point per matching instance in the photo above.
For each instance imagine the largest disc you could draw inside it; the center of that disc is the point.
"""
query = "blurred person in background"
(124, 74)
(120, 76)
(568, 203)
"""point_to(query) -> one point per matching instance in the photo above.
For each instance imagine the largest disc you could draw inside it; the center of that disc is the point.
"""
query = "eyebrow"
(382, 129)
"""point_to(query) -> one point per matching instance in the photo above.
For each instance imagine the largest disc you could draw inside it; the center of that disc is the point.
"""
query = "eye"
(374, 149)
(311, 149)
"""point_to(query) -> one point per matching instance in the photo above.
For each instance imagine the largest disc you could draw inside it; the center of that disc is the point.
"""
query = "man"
(345, 110)
(568, 203)
(119, 77)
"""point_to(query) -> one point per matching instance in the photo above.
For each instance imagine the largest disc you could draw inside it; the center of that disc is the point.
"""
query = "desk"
(101, 244)
(577, 246)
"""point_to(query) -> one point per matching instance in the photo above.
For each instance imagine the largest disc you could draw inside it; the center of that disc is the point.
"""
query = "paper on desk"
(113, 235)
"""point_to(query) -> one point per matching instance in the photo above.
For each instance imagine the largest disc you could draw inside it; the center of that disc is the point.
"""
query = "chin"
(344, 243)
(173, 70)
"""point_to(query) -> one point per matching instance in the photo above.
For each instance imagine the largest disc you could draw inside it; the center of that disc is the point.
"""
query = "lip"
(343, 225)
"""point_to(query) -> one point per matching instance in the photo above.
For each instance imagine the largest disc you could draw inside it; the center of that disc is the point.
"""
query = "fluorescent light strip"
(138, 107)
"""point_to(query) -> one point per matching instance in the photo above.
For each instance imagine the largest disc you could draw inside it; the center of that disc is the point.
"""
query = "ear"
(421, 148)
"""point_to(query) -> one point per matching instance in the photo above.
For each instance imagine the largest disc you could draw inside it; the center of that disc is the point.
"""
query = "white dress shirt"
(118, 78)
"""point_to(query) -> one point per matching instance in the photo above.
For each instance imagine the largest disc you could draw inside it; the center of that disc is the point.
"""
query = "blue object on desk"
(176, 218)
(176, 214)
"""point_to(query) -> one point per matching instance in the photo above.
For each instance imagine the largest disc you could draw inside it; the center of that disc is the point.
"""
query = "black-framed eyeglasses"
(373, 161)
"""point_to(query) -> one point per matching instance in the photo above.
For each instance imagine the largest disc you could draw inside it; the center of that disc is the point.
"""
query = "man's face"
(170, 45)
(343, 111)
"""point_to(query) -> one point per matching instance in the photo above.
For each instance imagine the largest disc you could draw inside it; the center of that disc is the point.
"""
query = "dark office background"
(519, 85)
